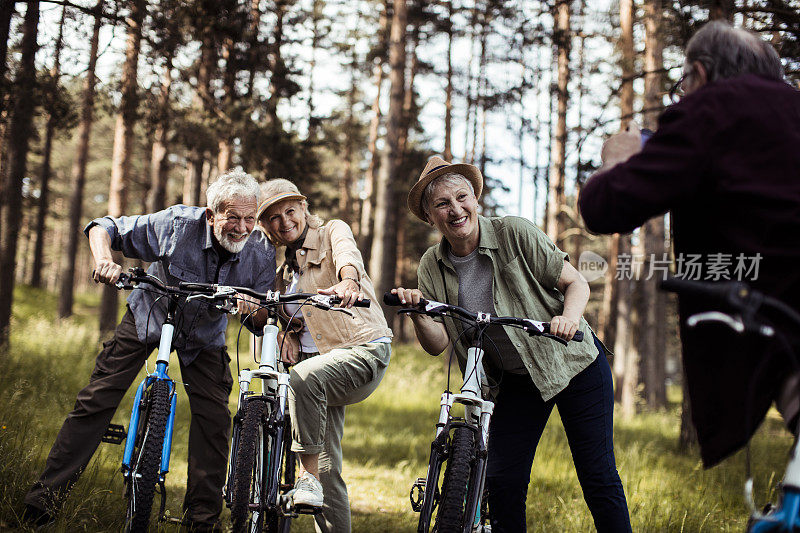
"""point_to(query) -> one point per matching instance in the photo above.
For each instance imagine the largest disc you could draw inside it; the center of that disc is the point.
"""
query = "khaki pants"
(208, 385)
(321, 386)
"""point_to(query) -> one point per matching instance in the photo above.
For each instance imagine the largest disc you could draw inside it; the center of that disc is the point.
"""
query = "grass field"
(386, 444)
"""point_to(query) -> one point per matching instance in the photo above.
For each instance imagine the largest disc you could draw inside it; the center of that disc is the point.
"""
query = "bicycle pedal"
(115, 434)
(307, 509)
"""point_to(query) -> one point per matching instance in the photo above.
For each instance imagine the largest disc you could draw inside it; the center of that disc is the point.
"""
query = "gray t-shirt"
(475, 294)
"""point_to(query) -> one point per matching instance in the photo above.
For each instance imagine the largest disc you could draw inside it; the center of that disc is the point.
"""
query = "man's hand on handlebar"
(563, 327)
(106, 271)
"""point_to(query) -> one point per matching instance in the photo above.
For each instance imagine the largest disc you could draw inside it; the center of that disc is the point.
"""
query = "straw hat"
(437, 167)
(277, 190)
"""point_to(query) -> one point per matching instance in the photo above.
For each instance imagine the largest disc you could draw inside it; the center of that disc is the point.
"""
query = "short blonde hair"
(277, 186)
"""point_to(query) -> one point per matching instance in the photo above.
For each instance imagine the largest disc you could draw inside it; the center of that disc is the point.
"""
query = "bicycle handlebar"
(534, 328)
(225, 292)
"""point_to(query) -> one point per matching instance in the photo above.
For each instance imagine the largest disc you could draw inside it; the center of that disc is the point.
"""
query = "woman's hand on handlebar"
(106, 271)
(246, 304)
(290, 346)
(347, 290)
(563, 327)
(408, 297)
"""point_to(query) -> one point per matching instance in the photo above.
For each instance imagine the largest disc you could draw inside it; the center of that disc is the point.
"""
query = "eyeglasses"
(676, 92)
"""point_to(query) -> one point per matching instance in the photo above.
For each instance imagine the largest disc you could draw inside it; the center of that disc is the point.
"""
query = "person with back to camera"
(507, 266)
(214, 244)
(338, 359)
(725, 162)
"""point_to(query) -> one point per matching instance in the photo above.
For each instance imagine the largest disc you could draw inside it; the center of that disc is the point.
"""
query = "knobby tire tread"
(148, 467)
(245, 463)
(450, 518)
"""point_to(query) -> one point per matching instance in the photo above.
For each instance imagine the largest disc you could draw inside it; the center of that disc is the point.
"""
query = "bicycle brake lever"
(555, 338)
(324, 301)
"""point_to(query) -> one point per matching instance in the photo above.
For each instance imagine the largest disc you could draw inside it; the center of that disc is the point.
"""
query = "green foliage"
(386, 444)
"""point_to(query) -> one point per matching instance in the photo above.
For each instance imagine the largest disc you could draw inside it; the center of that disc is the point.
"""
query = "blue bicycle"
(145, 461)
(742, 310)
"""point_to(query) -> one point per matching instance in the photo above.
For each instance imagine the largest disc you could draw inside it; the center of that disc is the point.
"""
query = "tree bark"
(123, 144)
(556, 196)
(78, 179)
(346, 183)
(157, 196)
(653, 304)
(365, 231)
(626, 362)
(448, 95)
(384, 242)
(44, 180)
(6, 11)
(20, 131)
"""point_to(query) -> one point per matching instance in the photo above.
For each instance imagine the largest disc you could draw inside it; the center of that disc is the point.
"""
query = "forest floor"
(386, 444)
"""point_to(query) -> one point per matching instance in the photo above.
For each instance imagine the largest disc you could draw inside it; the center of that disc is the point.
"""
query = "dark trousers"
(586, 407)
(208, 384)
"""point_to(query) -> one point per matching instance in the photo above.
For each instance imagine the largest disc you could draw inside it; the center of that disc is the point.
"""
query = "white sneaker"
(307, 491)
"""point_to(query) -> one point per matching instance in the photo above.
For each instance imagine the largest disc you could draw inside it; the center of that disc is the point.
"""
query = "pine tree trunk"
(79, 174)
(384, 243)
(20, 131)
(157, 196)
(346, 183)
(626, 362)
(653, 306)
(557, 197)
(365, 227)
(448, 97)
(44, 181)
(123, 144)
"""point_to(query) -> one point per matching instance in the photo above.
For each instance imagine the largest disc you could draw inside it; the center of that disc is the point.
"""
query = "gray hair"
(234, 183)
(451, 178)
(726, 52)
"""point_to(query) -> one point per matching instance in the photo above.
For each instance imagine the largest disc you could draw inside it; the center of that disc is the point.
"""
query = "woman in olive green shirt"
(508, 267)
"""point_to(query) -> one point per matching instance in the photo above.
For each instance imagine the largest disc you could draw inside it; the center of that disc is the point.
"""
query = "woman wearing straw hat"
(338, 359)
(507, 266)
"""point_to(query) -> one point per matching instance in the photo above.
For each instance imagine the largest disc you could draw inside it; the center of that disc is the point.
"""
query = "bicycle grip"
(578, 337)
(391, 299)
(366, 302)
(197, 287)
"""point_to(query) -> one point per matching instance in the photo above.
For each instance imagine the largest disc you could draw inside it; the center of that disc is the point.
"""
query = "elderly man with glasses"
(725, 161)
(214, 244)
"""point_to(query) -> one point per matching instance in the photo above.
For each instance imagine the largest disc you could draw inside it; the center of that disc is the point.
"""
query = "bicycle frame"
(162, 363)
(275, 390)
(477, 415)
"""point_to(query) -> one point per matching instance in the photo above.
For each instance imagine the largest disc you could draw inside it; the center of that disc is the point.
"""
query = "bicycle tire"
(450, 518)
(248, 471)
(145, 470)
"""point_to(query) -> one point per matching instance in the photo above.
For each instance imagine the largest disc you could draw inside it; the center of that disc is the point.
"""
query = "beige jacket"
(325, 251)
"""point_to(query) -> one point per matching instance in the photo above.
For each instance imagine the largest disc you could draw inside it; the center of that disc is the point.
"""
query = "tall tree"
(157, 196)
(384, 241)
(448, 94)
(123, 145)
(19, 137)
(65, 298)
(626, 363)
(44, 179)
(562, 38)
(653, 302)
(6, 11)
(365, 231)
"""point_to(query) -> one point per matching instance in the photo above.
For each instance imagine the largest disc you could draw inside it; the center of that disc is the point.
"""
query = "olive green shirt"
(526, 266)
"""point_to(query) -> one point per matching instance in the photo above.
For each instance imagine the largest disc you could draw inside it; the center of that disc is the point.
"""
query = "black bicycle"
(261, 466)
(460, 442)
(745, 311)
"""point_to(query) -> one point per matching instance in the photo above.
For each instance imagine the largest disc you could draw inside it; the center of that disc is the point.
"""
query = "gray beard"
(225, 242)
